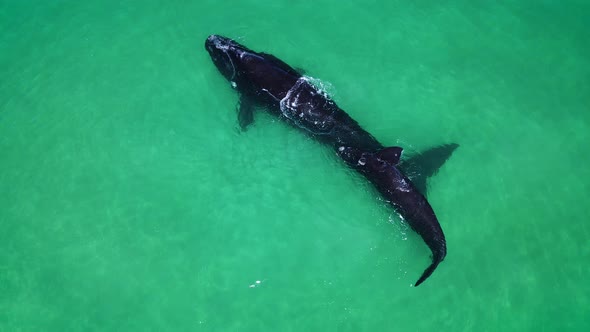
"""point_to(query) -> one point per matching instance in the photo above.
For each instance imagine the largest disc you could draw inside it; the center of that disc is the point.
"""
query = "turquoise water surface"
(130, 201)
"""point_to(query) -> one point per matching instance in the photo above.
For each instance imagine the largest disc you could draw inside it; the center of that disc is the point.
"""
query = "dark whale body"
(263, 80)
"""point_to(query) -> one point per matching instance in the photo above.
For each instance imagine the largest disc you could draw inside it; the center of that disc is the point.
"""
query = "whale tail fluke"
(426, 273)
(426, 164)
(438, 257)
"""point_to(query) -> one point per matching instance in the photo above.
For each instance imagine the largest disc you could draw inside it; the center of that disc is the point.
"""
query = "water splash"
(323, 87)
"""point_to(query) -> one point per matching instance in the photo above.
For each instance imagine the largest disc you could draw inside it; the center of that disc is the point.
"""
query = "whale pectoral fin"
(245, 112)
(426, 164)
(391, 154)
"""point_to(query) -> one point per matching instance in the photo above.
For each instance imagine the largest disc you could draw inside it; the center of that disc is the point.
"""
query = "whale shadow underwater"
(264, 81)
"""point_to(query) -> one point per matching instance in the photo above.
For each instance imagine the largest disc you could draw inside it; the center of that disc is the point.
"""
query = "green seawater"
(131, 201)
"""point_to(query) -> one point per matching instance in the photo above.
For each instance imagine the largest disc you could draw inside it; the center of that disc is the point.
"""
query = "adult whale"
(263, 80)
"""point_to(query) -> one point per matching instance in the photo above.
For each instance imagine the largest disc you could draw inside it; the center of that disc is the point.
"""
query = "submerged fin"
(245, 112)
(391, 154)
(426, 164)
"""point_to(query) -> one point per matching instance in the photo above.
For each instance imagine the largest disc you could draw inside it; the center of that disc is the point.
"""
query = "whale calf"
(263, 80)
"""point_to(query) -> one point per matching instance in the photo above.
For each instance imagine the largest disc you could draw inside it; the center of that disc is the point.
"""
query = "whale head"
(248, 71)
(227, 55)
